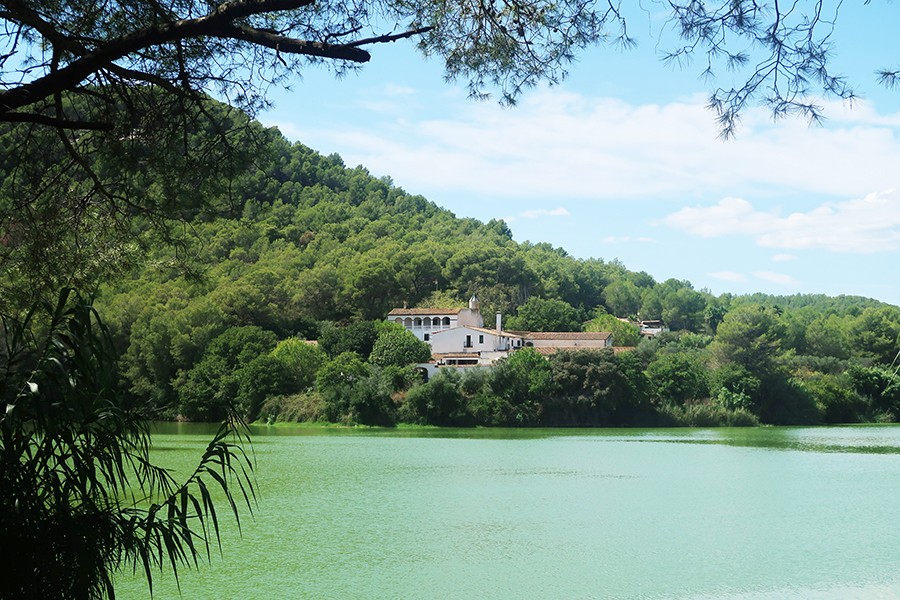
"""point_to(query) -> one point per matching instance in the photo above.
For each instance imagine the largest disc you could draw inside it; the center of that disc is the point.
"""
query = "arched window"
(417, 322)
(446, 321)
(407, 322)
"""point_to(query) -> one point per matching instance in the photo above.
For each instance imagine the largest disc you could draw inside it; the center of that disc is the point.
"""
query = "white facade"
(458, 337)
(652, 328)
(424, 322)
(569, 340)
(474, 340)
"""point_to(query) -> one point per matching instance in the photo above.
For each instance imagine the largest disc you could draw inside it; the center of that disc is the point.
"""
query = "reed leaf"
(79, 496)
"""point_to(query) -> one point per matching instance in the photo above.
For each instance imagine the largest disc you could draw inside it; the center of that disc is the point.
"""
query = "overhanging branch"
(391, 37)
(289, 45)
(214, 24)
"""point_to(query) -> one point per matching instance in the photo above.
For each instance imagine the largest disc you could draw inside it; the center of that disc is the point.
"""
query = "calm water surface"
(696, 514)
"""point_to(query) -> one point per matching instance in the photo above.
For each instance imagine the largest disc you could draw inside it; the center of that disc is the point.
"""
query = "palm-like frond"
(79, 496)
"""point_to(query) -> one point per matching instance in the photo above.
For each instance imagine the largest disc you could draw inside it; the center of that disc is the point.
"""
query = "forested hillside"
(294, 244)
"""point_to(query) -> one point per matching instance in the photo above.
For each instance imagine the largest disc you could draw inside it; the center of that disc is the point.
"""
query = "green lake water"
(665, 514)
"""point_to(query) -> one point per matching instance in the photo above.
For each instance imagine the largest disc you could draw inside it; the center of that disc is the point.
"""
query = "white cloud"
(728, 276)
(561, 144)
(534, 214)
(391, 89)
(864, 225)
(783, 258)
(625, 239)
(537, 214)
(778, 278)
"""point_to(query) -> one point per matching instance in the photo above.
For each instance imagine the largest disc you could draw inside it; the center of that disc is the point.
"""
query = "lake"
(663, 514)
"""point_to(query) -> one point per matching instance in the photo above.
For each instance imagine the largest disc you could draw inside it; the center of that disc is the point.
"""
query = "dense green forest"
(294, 246)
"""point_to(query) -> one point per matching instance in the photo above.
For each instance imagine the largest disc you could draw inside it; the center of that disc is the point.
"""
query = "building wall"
(423, 325)
(420, 325)
(455, 340)
(470, 318)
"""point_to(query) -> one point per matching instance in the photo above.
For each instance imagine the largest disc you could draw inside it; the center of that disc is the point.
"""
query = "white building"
(424, 322)
(568, 340)
(473, 345)
(652, 328)
(457, 336)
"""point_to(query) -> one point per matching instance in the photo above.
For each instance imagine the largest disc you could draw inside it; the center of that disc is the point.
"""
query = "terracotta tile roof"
(546, 351)
(411, 312)
(550, 350)
(568, 335)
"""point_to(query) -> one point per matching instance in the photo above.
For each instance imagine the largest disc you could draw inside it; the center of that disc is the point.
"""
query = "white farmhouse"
(473, 345)
(424, 322)
(457, 336)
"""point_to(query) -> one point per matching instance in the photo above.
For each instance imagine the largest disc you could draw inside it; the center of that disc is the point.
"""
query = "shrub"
(370, 402)
(358, 337)
(438, 402)
(400, 378)
(306, 407)
(399, 347)
(302, 359)
(707, 415)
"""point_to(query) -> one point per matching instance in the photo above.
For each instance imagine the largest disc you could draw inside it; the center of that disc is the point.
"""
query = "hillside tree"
(106, 91)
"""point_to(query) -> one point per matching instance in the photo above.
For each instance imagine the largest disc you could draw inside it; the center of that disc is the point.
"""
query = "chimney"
(499, 323)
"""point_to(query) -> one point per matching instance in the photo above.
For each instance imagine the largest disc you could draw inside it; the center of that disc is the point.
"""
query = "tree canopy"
(106, 125)
(240, 47)
(79, 495)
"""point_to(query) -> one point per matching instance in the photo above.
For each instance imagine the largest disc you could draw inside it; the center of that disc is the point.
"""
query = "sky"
(623, 161)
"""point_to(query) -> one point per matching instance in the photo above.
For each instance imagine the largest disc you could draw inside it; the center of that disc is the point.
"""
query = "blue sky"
(622, 161)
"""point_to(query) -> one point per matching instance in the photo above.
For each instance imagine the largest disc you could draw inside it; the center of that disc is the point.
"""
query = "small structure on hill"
(550, 342)
(458, 338)
(652, 328)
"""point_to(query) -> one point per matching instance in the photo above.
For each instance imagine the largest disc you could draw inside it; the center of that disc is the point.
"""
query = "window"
(427, 336)
(468, 343)
(480, 339)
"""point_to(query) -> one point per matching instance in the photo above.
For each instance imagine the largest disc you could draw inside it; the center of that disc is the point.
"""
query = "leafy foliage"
(438, 402)
(538, 314)
(357, 337)
(301, 359)
(398, 347)
(623, 334)
(78, 494)
(233, 365)
(678, 378)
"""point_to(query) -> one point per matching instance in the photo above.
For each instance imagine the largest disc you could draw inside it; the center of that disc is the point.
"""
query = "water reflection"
(865, 439)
